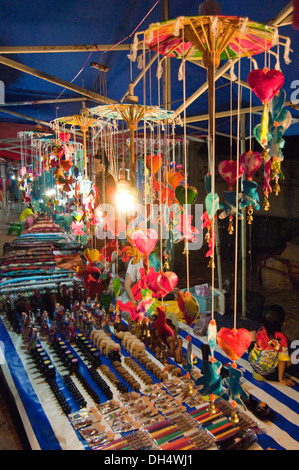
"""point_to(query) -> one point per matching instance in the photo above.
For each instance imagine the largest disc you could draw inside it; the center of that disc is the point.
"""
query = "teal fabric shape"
(229, 205)
(249, 195)
(212, 204)
(210, 382)
(233, 389)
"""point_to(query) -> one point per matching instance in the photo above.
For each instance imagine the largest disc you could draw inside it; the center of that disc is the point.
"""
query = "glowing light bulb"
(125, 201)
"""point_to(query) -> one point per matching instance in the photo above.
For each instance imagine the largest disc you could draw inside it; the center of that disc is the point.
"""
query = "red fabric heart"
(162, 284)
(234, 342)
(251, 161)
(145, 242)
(228, 171)
(154, 162)
(65, 136)
(66, 165)
(265, 83)
(174, 178)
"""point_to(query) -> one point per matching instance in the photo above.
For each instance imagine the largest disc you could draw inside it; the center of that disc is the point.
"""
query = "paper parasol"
(132, 114)
(210, 39)
(83, 121)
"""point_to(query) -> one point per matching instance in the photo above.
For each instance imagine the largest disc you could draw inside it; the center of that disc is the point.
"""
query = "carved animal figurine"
(137, 348)
(171, 341)
(179, 351)
(163, 330)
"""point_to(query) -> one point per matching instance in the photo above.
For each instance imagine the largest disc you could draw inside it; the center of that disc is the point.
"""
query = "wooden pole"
(132, 156)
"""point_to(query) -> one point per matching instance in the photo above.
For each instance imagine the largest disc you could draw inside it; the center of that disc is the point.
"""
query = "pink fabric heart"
(251, 161)
(228, 171)
(159, 283)
(265, 83)
(234, 342)
(162, 284)
(65, 136)
(145, 242)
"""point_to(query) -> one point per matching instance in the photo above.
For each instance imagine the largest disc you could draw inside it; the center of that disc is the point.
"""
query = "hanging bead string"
(185, 223)
(159, 172)
(237, 195)
(144, 151)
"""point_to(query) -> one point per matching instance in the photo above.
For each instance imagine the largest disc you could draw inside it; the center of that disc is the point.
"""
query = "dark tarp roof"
(111, 22)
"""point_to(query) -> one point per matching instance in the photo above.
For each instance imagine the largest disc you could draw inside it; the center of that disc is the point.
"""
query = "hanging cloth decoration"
(230, 171)
(145, 242)
(251, 162)
(234, 342)
(265, 84)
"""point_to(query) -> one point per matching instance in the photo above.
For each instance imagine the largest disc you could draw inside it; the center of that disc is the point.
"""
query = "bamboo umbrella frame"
(84, 121)
(133, 114)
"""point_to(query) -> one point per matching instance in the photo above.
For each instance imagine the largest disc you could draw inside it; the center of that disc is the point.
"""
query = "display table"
(48, 428)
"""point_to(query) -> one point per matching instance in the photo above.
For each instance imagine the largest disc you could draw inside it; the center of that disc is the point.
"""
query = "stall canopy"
(58, 56)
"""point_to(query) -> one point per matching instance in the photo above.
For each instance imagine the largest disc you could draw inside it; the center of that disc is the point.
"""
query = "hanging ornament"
(174, 178)
(145, 242)
(209, 237)
(92, 256)
(186, 195)
(212, 336)
(64, 136)
(163, 330)
(234, 342)
(77, 228)
(189, 307)
(249, 198)
(265, 84)
(210, 383)
(235, 392)
(230, 171)
(66, 165)
(276, 174)
(267, 186)
(250, 162)
(154, 162)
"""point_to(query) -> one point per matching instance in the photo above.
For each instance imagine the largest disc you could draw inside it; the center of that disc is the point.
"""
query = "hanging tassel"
(181, 71)
(275, 37)
(265, 125)
(159, 70)
(150, 34)
(243, 27)
(178, 25)
(287, 51)
(255, 64)
(140, 62)
(133, 55)
(266, 200)
(233, 76)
